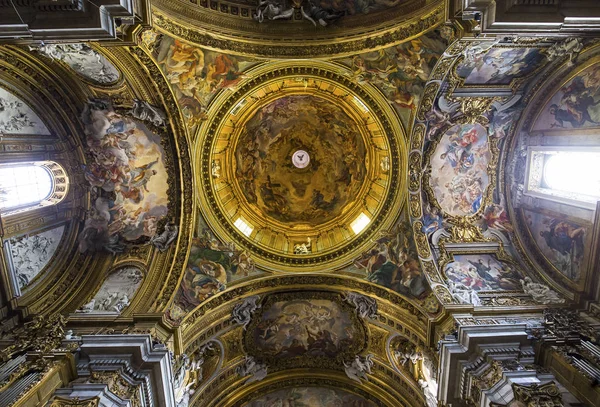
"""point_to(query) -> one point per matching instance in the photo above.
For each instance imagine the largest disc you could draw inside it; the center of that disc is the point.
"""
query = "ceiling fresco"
(327, 138)
(459, 169)
(298, 231)
(195, 74)
(401, 71)
(310, 396)
(575, 104)
(305, 330)
(500, 66)
(285, 212)
(18, 118)
(128, 176)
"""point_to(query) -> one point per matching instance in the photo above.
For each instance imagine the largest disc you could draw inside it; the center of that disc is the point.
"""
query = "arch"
(30, 185)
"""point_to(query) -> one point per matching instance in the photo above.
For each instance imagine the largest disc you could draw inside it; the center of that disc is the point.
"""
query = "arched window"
(25, 186)
(565, 174)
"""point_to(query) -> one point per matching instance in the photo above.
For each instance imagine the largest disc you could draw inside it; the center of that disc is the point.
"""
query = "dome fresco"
(287, 213)
(312, 195)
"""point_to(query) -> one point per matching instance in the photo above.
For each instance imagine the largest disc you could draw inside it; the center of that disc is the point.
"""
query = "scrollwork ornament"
(443, 294)
(414, 170)
(414, 205)
(547, 394)
(417, 136)
(462, 231)
(431, 271)
(75, 402)
(421, 240)
(431, 90)
(474, 108)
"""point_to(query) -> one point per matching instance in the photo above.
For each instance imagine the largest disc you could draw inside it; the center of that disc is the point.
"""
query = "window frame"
(534, 176)
(58, 191)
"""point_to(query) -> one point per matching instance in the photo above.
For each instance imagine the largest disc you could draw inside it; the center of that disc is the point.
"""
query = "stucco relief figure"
(406, 353)
(184, 380)
(541, 293)
(359, 368)
(430, 396)
(82, 59)
(242, 312)
(166, 238)
(31, 253)
(366, 307)
(273, 10)
(16, 117)
(463, 295)
(116, 292)
(144, 111)
(250, 367)
(570, 47)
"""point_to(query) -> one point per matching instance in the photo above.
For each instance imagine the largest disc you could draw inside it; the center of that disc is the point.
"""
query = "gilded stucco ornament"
(76, 402)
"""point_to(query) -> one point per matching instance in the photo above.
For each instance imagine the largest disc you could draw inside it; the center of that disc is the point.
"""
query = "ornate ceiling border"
(243, 43)
(180, 165)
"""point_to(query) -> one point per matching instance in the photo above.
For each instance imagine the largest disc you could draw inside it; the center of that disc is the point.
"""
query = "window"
(23, 185)
(565, 174)
(29, 185)
(575, 172)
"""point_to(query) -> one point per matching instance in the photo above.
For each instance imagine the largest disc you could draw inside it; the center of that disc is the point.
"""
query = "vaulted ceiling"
(306, 200)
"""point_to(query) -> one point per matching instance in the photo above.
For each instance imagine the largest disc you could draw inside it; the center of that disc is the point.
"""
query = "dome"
(301, 168)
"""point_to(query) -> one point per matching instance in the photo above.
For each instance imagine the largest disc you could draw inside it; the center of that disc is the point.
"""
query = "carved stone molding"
(71, 20)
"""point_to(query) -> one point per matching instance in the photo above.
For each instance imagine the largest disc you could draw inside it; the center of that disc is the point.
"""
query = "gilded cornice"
(206, 31)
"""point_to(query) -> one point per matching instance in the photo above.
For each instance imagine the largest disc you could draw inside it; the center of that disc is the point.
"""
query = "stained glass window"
(23, 185)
